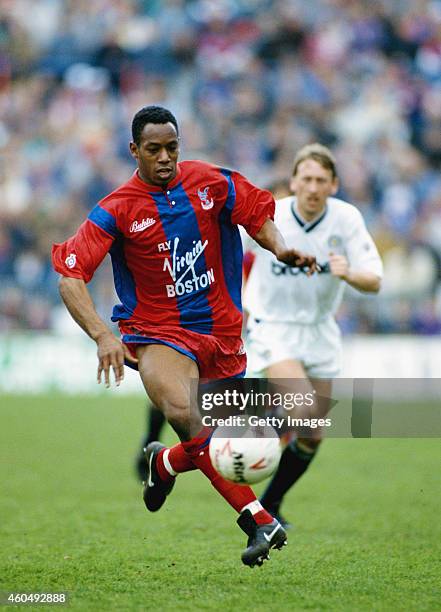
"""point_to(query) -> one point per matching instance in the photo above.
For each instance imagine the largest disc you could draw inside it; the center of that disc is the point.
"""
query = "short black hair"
(151, 114)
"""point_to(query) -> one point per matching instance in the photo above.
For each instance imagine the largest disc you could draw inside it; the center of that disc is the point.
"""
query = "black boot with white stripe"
(155, 489)
(261, 538)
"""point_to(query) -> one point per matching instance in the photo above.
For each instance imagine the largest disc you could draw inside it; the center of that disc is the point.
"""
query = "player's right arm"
(111, 352)
(76, 260)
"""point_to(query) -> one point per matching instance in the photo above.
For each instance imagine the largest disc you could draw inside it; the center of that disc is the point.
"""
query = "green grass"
(367, 538)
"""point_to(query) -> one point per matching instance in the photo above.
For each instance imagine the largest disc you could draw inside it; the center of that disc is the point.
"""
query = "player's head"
(155, 144)
(314, 179)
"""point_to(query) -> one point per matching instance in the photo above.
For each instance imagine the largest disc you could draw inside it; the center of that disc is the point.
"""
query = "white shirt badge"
(206, 202)
(71, 261)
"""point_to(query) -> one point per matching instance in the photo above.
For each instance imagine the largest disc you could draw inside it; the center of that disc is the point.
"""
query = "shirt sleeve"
(249, 205)
(80, 255)
(360, 248)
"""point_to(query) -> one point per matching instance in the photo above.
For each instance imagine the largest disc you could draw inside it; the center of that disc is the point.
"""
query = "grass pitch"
(367, 536)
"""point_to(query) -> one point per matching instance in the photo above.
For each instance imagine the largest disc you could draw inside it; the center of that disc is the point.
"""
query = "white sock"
(167, 464)
(254, 507)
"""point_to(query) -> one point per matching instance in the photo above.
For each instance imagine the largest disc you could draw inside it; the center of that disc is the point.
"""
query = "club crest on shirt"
(334, 241)
(71, 260)
(206, 201)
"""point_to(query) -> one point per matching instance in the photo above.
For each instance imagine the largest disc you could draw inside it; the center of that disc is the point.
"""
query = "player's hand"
(111, 354)
(339, 266)
(297, 259)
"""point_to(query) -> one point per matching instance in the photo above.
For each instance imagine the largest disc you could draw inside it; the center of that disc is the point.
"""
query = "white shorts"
(318, 347)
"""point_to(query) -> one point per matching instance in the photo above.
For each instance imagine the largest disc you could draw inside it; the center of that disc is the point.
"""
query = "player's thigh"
(287, 369)
(289, 376)
(323, 392)
(311, 438)
(167, 375)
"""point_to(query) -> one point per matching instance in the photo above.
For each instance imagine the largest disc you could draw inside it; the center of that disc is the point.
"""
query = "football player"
(292, 332)
(155, 419)
(171, 231)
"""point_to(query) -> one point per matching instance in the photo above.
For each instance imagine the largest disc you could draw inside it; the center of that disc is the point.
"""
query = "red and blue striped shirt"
(176, 251)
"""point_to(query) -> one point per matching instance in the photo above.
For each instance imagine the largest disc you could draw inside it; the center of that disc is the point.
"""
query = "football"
(245, 458)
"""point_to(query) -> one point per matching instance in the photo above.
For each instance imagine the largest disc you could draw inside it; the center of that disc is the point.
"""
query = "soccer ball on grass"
(247, 459)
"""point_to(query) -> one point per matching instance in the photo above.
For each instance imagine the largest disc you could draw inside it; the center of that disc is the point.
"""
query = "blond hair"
(318, 153)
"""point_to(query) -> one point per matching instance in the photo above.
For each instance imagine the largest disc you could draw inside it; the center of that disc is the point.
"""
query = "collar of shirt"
(306, 225)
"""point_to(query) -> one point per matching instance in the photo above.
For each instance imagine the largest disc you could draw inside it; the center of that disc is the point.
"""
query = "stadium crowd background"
(250, 82)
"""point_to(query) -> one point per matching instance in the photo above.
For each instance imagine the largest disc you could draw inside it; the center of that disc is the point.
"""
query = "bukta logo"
(140, 226)
(206, 203)
(71, 260)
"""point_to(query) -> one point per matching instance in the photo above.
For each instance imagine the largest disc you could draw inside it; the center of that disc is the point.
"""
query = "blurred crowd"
(250, 81)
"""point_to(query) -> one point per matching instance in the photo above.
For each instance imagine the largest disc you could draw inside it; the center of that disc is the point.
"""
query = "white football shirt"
(276, 292)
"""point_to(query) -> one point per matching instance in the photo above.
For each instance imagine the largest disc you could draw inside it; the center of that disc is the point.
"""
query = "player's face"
(312, 185)
(157, 153)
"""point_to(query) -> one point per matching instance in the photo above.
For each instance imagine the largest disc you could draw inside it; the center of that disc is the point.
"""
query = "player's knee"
(309, 445)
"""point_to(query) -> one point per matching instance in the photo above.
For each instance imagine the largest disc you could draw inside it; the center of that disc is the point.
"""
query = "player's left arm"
(253, 208)
(363, 280)
(361, 266)
(270, 238)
